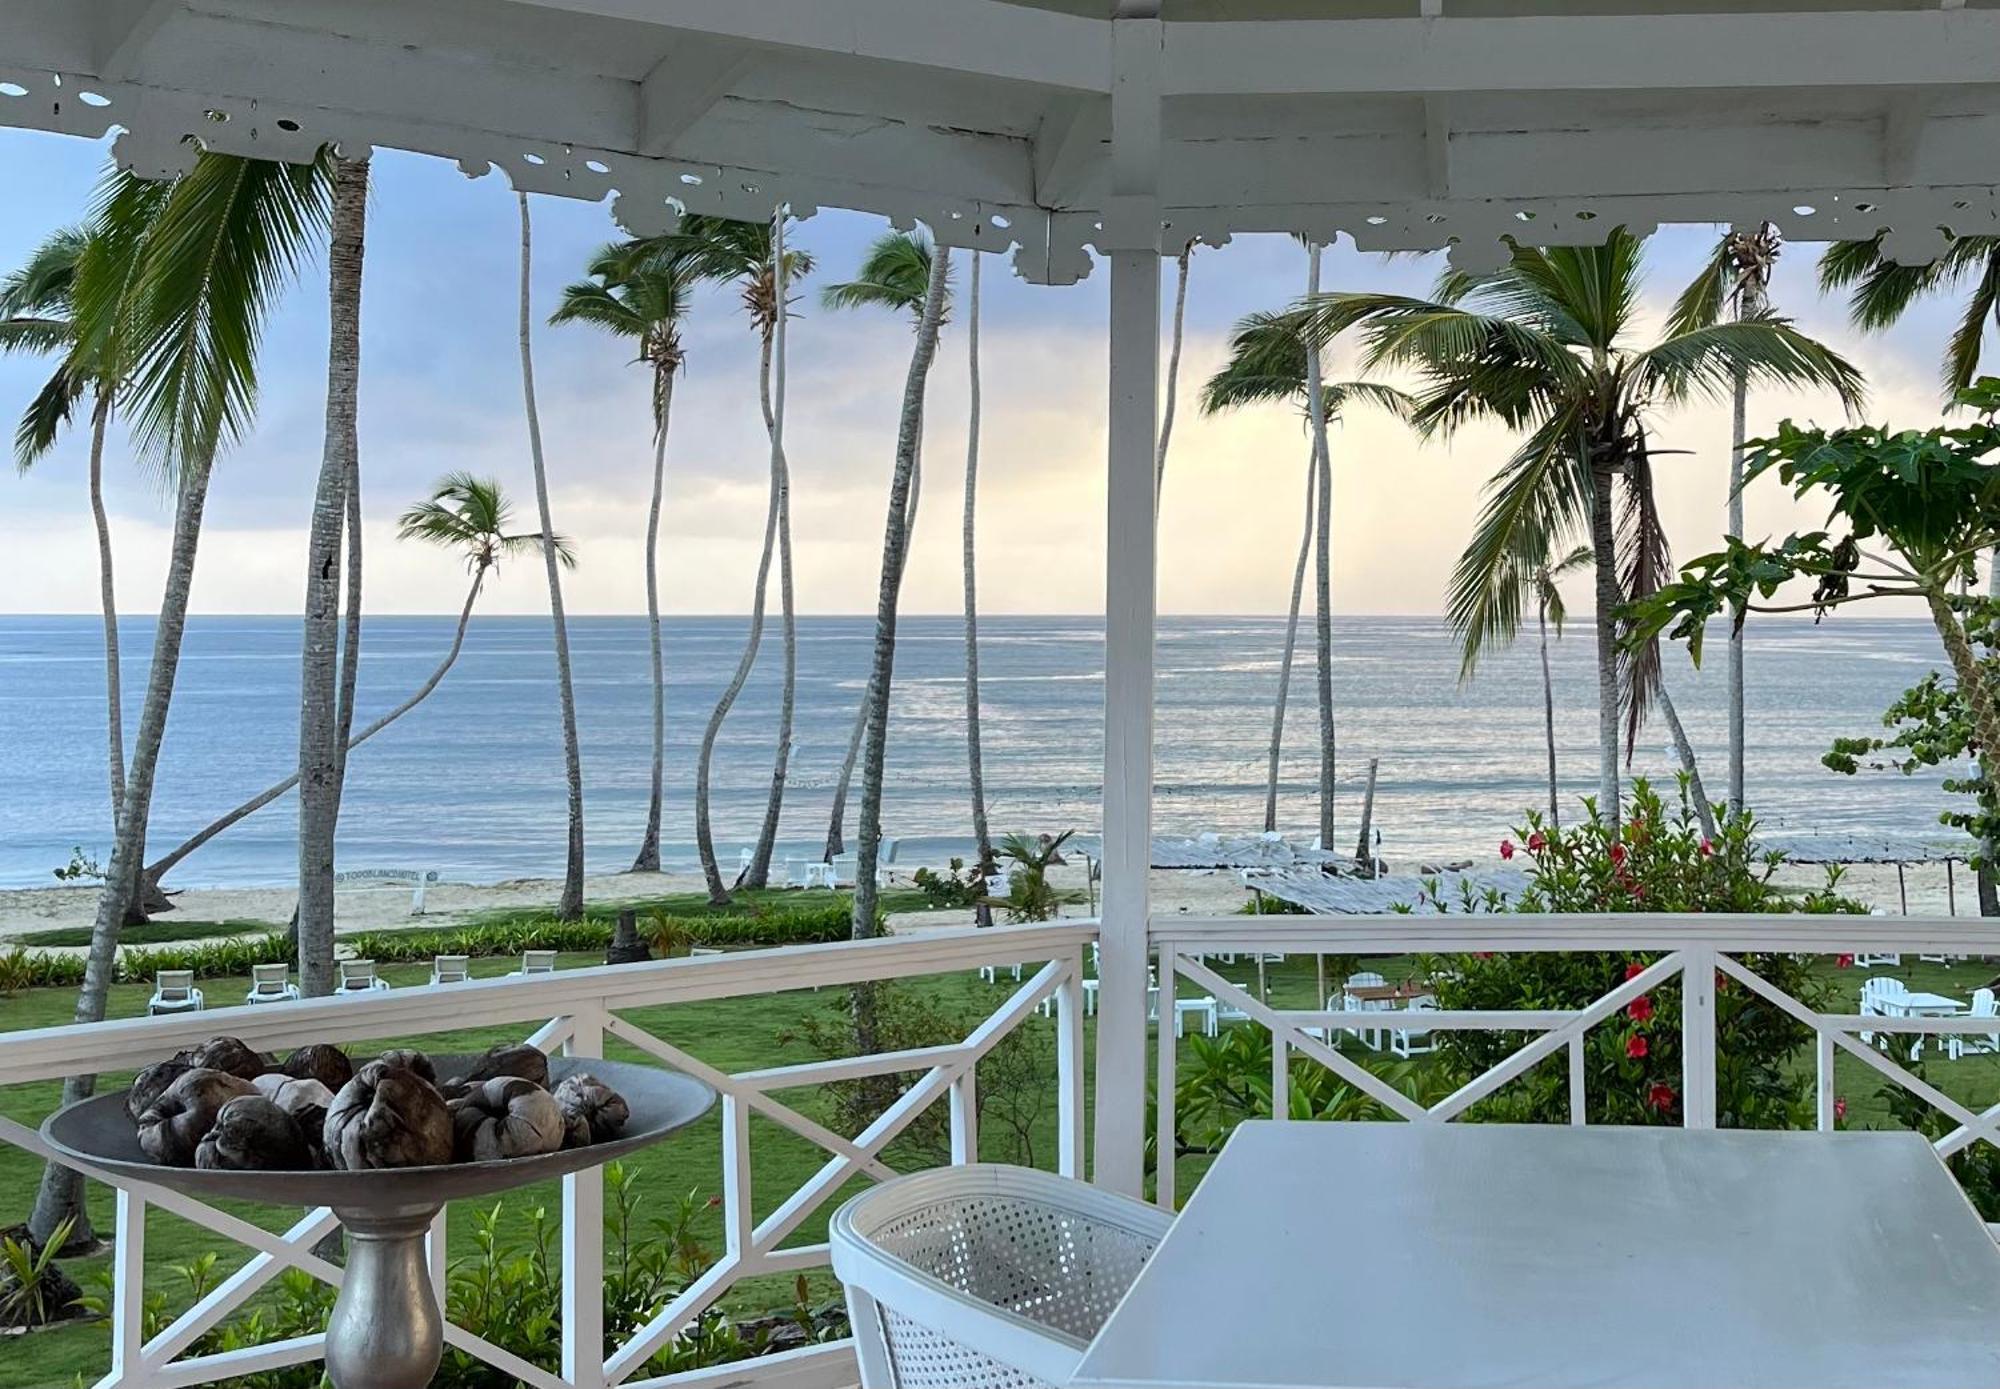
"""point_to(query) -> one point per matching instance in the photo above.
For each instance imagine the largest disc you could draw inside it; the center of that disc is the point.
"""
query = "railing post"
(1281, 1078)
(1069, 1071)
(1823, 1086)
(738, 1216)
(1578, 1113)
(1164, 1086)
(583, 1240)
(128, 1290)
(1698, 1037)
(1131, 239)
(965, 1117)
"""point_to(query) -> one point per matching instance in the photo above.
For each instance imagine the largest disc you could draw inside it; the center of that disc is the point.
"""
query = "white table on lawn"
(1919, 1005)
(1449, 1256)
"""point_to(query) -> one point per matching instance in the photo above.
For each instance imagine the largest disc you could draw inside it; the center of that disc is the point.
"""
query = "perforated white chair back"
(985, 1276)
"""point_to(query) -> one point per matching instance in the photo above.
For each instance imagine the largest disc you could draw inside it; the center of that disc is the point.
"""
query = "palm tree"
(895, 275)
(1531, 569)
(570, 908)
(753, 256)
(1268, 361)
(1737, 278)
(465, 513)
(641, 293)
(968, 543)
(1544, 346)
(181, 276)
(37, 314)
(1173, 371)
(895, 265)
(1881, 292)
(328, 664)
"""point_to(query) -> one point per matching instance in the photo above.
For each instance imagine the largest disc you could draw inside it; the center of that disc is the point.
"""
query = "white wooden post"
(965, 1116)
(128, 1290)
(1579, 1113)
(1069, 1072)
(583, 1240)
(1823, 1087)
(1698, 1038)
(1132, 241)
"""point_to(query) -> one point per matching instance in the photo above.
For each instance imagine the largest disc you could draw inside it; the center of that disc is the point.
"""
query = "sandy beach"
(28, 910)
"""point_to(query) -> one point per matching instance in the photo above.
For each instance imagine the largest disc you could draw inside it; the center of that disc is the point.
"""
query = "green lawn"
(741, 1034)
(161, 931)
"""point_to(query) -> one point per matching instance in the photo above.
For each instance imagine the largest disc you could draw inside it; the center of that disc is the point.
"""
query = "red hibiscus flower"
(1839, 1110)
(1661, 1096)
(1642, 1008)
(1536, 843)
(1506, 848)
(1618, 853)
(1707, 848)
(1843, 962)
(1635, 1046)
(1633, 969)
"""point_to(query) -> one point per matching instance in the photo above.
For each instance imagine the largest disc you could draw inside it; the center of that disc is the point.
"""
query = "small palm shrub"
(33, 1290)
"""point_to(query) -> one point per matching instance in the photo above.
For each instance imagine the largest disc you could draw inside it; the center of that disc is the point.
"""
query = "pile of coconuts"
(223, 1106)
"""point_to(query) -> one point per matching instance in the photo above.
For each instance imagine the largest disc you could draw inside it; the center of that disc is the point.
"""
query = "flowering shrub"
(1657, 860)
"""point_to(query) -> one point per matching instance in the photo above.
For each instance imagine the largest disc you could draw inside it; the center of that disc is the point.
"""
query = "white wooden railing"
(1693, 949)
(577, 1010)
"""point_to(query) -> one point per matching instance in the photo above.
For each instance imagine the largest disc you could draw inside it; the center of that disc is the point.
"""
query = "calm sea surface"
(471, 783)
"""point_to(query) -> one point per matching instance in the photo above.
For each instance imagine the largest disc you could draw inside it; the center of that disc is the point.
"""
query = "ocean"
(471, 783)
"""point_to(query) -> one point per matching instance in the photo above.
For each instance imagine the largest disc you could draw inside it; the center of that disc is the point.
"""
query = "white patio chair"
(1879, 997)
(985, 1276)
(174, 992)
(1414, 1041)
(271, 984)
(819, 875)
(1202, 1008)
(844, 868)
(450, 969)
(358, 976)
(1959, 1044)
(537, 962)
(797, 874)
(991, 973)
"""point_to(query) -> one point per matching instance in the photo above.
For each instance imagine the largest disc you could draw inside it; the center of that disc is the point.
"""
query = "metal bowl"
(98, 1133)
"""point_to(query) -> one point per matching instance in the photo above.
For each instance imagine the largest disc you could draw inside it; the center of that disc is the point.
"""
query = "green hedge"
(827, 921)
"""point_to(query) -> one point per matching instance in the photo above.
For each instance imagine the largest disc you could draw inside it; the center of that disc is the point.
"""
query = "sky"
(440, 391)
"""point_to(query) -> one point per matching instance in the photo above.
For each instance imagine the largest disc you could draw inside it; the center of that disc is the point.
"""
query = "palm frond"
(1647, 562)
(1961, 356)
(47, 414)
(1701, 303)
(894, 274)
(1267, 362)
(1766, 351)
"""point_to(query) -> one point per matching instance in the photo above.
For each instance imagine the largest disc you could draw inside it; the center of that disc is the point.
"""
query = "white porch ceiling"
(1405, 123)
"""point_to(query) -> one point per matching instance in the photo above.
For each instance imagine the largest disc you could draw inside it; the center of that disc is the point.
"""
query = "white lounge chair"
(985, 1276)
(1959, 1044)
(358, 976)
(174, 992)
(450, 969)
(537, 962)
(1414, 1041)
(844, 868)
(271, 984)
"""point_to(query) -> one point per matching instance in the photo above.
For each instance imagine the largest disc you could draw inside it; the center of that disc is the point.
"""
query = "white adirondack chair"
(1414, 1041)
(174, 992)
(937, 1270)
(1959, 1044)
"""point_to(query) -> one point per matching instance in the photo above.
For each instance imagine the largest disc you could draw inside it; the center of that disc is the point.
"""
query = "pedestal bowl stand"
(386, 1331)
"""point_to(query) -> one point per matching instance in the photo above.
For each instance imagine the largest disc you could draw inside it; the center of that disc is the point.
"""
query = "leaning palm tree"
(1881, 292)
(895, 275)
(752, 255)
(570, 908)
(465, 514)
(1268, 362)
(182, 276)
(37, 314)
(640, 292)
(330, 660)
(1172, 388)
(982, 837)
(894, 265)
(1736, 280)
(1545, 346)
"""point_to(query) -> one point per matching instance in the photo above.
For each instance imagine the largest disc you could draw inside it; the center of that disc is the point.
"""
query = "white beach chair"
(1879, 997)
(819, 874)
(1414, 1041)
(985, 1276)
(1959, 1044)
(537, 962)
(174, 992)
(796, 873)
(271, 984)
(844, 868)
(358, 976)
(450, 969)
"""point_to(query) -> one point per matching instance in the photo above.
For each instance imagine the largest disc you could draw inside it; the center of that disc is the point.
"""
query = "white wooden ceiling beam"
(1069, 146)
(126, 30)
(1437, 145)
(686, 85)
(1624, 53)
(1903, 136)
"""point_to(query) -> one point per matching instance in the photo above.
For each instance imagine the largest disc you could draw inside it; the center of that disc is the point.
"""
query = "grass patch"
(160, 932)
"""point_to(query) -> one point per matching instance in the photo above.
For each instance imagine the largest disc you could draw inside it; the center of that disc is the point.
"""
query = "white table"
(1919, 1005)
(1448, 1256)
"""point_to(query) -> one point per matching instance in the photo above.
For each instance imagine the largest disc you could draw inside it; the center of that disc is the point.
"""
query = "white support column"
(1069, 1071)
(128, 1291)
(1698, 1039)
(1132, 241)
(583, 1242)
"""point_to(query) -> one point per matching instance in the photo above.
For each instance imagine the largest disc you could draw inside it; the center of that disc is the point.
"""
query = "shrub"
(1632, 1062)
(33, 1291)
(957, 886)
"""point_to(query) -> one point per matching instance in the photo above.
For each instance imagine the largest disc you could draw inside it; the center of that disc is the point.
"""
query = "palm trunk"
(320, 755)
(107, 594)
(1291, 645)
(570, 908)
(704, 835)
(895, 549)
(1604, 553)
(759, 874)
(160, 867)
(968, 538)
(1173, 371)
(1738, 431)
(1548, 711)
(1322, 567)
(61, 1194)
(648, 860)
(1685, 751)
